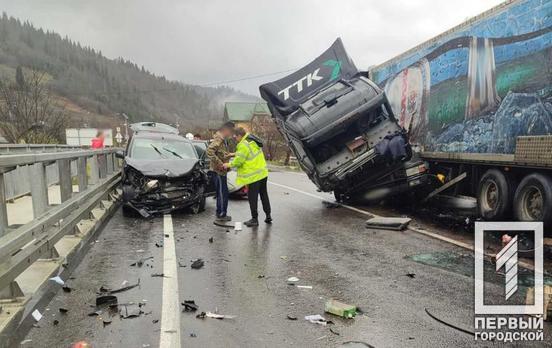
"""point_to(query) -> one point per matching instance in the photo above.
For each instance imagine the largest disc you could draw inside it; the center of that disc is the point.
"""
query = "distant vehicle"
(162, 172)
(235, 190)
(341, 128)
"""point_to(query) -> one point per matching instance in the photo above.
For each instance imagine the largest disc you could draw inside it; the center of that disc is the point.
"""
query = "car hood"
(163, 167)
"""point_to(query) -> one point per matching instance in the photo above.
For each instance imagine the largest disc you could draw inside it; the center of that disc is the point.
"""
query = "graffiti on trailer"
(479, 87)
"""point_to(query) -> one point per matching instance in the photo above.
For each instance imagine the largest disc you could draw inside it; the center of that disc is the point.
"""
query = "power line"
(246, 78)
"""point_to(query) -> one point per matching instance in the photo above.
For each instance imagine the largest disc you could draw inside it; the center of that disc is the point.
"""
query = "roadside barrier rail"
(97, 175)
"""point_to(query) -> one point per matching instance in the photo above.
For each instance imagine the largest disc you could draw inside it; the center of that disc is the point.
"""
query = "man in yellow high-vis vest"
(250, 164)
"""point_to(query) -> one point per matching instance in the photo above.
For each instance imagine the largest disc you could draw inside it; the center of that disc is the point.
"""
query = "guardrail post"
(94, 170)
(3, 208)
(102, 162)
(82, 178)
(65, 182)
(109, 158)
(39, 189)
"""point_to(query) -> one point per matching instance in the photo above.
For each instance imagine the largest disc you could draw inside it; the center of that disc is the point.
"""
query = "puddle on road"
(464, 264)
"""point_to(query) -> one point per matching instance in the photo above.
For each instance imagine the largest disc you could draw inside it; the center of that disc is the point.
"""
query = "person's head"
(239, 133)
(100, 134)
(227, 129)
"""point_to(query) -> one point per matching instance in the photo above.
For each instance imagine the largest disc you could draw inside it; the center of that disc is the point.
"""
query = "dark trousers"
(222, 194)
(256, 188)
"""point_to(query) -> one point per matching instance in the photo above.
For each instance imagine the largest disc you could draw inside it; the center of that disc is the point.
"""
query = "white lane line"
(411, 228)
(326, 199)
(170, 313)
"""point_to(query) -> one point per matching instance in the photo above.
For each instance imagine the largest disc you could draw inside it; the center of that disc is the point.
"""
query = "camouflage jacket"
(218, 154)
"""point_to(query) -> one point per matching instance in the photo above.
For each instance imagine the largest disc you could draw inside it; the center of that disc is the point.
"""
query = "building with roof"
(243, 114)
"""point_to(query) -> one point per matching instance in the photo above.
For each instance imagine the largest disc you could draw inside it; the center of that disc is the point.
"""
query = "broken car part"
(197, 264)
(388, 223)
(190, 306)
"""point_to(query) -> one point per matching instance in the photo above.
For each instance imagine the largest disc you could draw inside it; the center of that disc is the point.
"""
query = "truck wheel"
(533, 199)
(494, 195)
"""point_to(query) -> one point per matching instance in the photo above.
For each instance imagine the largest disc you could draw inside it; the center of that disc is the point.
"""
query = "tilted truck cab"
(341, 127)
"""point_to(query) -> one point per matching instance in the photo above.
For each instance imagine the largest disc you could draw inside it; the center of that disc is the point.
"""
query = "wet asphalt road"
(245, 275)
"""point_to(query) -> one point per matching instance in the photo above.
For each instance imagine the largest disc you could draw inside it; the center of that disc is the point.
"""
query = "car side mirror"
(120, 154)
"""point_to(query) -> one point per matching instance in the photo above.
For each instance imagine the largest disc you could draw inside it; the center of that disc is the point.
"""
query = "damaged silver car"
(162, 172)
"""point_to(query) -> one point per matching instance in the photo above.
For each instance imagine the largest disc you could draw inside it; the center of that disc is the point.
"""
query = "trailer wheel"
(494, 195)
(533, 199)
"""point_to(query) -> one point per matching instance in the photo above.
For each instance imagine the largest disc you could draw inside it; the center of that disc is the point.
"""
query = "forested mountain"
(102, 86)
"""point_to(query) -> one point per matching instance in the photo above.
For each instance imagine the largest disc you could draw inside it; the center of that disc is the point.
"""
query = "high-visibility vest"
(249, 162)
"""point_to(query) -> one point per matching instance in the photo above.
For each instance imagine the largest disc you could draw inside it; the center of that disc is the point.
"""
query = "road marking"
(326, 199)
(411, 228)
(170, 313)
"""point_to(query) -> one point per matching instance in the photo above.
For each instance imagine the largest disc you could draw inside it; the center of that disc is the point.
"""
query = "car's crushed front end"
(157, 187)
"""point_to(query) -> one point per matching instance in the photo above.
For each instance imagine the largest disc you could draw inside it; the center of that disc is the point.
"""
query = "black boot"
(251, 223)
(268, 219)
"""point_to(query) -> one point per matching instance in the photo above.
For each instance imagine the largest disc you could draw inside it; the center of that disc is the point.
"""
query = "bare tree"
(28, 112)
(275, 146)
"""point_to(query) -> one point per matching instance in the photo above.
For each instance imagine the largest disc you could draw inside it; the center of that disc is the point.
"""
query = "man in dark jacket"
(218, 154)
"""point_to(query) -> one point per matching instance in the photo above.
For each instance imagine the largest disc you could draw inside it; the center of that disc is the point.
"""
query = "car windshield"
(154, 149)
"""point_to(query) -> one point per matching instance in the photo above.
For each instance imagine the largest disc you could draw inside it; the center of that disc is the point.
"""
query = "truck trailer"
(476, 103)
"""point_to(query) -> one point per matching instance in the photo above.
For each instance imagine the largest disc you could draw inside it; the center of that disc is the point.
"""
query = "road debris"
(63, 310)
(340, 309)
(211, 240)
(192, 334)
(317, 319)
(261, 276)
(197, 264)
(411, 275)
(133, 312)
(238, 226)
(36, 315)
(180, 264)
(469, 332)
(67, 288)
(155, 321)
(219, 316)
(107, 290)
(106, 322)
(308, 287)
(388, 223)
(201, 315)
(335, 332)
(106, 300)
(58, 280)
(292, 317)
(95, 313)
(292, 280)
(190, 306)
(159, 244)
(141, 261)
(162, 275)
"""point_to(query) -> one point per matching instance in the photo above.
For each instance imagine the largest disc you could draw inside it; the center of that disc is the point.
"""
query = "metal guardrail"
(97, 173)
(11, 149)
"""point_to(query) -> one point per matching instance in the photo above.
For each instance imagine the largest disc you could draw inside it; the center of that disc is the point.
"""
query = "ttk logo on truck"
(307, 81)
(507, 317)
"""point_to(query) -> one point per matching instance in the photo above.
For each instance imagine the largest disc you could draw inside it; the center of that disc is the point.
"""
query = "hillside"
(97, 88)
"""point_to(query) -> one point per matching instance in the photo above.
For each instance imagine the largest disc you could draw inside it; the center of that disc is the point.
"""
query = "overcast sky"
(207, 41)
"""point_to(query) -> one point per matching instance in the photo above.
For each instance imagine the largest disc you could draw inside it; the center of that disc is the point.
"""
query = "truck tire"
(494, 195)
(533, 199)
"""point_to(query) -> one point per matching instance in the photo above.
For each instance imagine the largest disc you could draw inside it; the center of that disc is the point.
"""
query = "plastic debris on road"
(292, 280)
(219, 316)
(36, 315)
(58, 280)
(340, 309)
(308, 287)
(317, 319)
